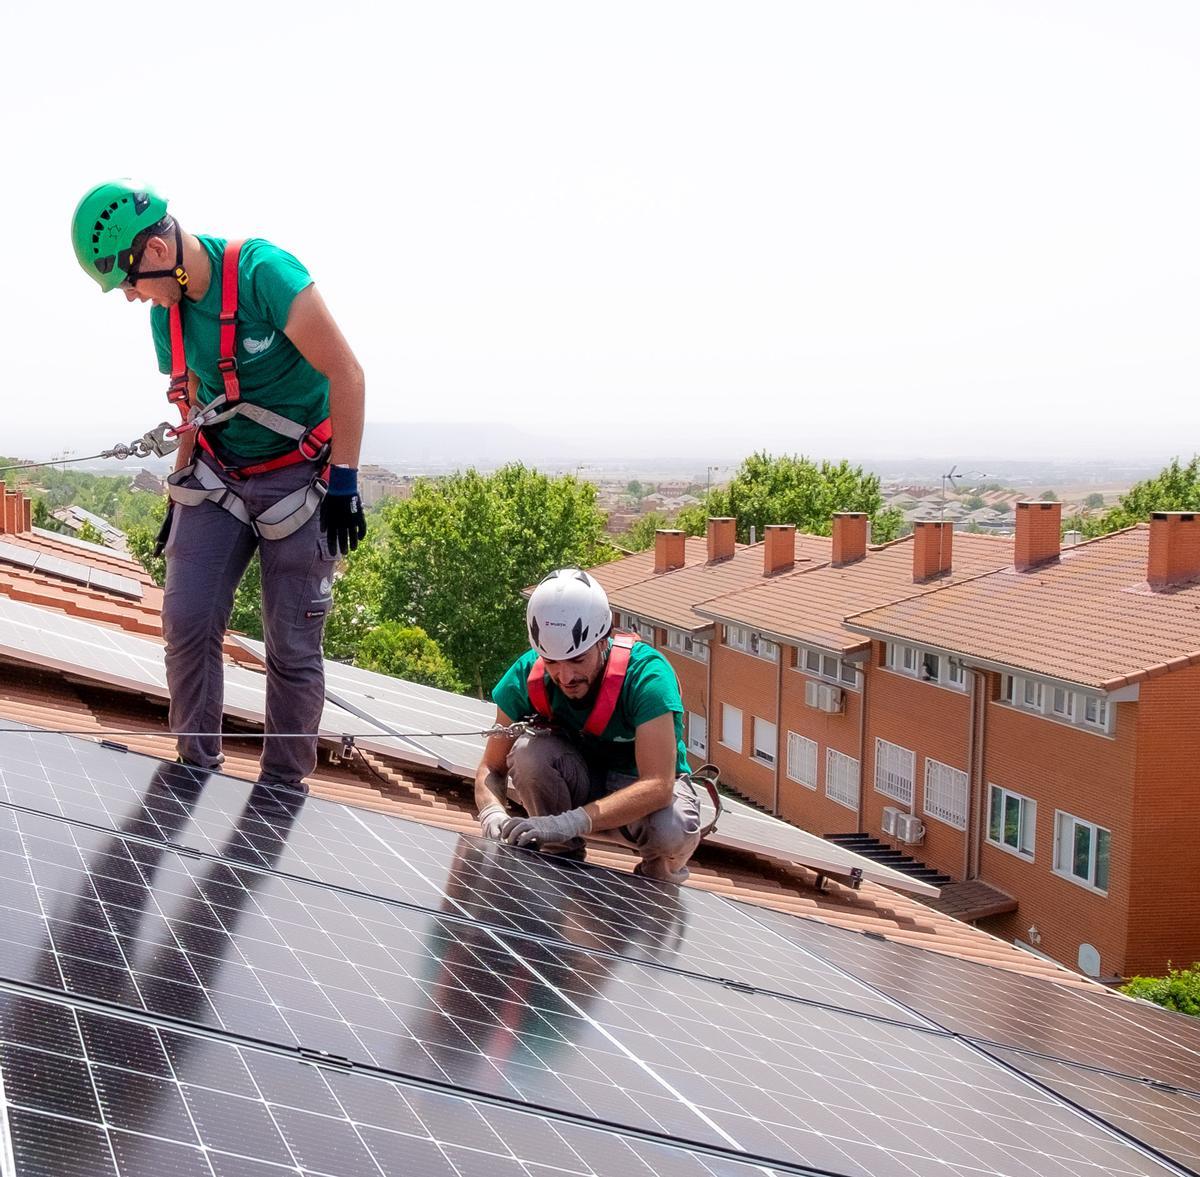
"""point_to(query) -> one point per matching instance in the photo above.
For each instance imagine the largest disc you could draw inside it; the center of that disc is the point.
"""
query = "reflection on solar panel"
(404, 707)
(196, 982)
(70, 570)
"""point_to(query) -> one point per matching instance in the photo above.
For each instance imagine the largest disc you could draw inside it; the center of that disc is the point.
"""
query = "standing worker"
(272, 401)
(613, 758)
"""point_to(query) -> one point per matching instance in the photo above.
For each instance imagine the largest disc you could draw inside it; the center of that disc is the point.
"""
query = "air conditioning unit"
(812, 693)
(890, 813)
(909, 828)
(831, 699)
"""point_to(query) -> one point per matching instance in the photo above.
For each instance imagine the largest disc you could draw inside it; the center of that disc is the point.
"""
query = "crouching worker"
(612, 759)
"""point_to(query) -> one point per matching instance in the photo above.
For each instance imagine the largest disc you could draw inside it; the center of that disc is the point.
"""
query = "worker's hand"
(491, 821)
(548, 830)
(342, 518)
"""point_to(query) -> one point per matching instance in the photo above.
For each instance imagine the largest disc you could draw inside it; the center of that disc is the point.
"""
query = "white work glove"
(491, 821)
(549, 830)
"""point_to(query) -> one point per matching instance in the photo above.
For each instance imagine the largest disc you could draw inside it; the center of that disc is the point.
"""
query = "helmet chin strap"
(176, 271)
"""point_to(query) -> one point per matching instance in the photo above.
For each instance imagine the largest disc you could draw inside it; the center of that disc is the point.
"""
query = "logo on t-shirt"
(257, 346)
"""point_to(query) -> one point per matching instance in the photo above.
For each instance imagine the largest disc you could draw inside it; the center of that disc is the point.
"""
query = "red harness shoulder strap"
(611, 684)
(229, 308)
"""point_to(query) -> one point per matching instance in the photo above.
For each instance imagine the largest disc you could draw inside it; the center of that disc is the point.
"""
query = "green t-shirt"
(650, 689)
(271, 370)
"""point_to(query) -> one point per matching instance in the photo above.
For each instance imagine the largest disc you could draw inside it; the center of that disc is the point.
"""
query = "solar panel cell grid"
(995, 1005)
(91, 1094)
(523, 1020)
(411, 863)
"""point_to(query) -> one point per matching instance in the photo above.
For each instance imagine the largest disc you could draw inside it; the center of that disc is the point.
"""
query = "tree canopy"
(794, 489)
(455, 556)
(408, 652)
(1178, 990)
(1174, 488)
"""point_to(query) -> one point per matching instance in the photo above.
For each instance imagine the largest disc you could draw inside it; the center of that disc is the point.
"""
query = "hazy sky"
(876, 228)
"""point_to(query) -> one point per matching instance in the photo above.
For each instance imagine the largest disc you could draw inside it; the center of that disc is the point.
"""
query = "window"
(946, 793)
(731, 727)
(802, 760)
(1012, 820)
(826, 666)
(894, 772)
(687, 645)
(1057, 702)
(1081, 851)
(841, 778)
(765, 741)
(697, 734)
(928, 666)
(749, 641)
(645, 630)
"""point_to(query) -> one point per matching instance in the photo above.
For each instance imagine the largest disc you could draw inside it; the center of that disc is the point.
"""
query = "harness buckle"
(227, 364)
(319, 449)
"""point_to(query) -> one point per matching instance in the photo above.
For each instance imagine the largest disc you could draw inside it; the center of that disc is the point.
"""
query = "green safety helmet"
(105, 223)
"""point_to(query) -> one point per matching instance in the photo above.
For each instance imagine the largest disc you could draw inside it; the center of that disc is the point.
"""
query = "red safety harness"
(610, 685)
(617, 667)
(200, 482)
(312, 444)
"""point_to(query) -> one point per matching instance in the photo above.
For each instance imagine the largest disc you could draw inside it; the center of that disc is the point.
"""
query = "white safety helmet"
(568, 613)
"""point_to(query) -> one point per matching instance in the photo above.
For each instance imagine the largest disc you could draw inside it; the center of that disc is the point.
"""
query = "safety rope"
(156, 442)
(511, 730)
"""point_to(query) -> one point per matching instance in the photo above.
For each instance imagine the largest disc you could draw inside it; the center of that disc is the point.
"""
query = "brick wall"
(1089, 775)
(931, 721)
(748, 683)
(1164, 918)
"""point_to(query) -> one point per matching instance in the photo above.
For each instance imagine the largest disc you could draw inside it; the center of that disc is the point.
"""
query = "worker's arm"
(491, 780)
(655, 750)
(320, 341)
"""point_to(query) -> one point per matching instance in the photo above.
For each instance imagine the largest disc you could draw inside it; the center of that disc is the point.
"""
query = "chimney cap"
(1182, 516)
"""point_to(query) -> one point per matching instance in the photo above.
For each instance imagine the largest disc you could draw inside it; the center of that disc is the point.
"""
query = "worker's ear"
(158, 251)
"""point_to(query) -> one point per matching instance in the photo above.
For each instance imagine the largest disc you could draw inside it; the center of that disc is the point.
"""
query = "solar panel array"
(198, 976)
(70, 570)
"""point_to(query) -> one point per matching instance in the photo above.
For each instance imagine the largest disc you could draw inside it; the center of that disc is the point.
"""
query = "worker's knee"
(671, 833)
(548, 773)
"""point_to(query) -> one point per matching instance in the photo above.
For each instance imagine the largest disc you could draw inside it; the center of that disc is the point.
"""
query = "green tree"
(456, 555)
(1094, 501)
(1174, 488)
(1048, 496)
(1001, 507)
(408, 652)
(90, 533)
(794, 489)
(1178, 990)
(640, 535)
(355, 610)
(974, 502)
(635, 490)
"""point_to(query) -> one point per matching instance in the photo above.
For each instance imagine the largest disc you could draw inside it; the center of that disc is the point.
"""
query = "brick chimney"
(1174, 548)
(779, 547)
(1039, 534)
(849, 537)
(722, 536)
(933, 548)
(670, 549)
(27, 514)
(3, 512)
(13, 513)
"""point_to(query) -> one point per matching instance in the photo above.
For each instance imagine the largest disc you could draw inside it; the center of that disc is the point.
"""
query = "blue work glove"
(491, 821)
(342, 518)
(546, 831)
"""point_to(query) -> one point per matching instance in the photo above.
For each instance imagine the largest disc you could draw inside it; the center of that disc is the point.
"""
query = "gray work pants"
(207, 553)
(550, 775)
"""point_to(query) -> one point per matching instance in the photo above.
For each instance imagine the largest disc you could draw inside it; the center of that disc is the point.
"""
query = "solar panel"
(408, 862)
(1010, 1009)
(111, 582)
(18, 556)
(97, 1095)
(249, 955)
(745, 828)
(404, 707)
(49, 639)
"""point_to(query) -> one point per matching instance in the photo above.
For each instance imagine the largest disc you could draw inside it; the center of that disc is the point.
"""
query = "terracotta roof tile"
(1087, 618)
(671, 598)
(811, 604)
(640, 566)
